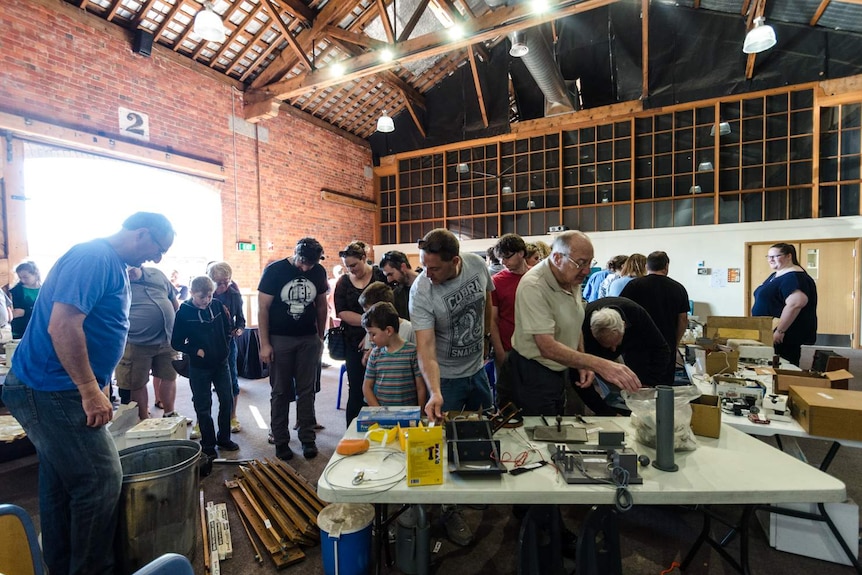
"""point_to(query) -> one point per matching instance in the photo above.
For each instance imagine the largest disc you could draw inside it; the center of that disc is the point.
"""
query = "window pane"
(752, 207)
(728, 209)
(800, 203)
(683, 212)
(643, 216)
(704, 211)
(849, 200)
(828, 201)
(663, 212)
(776, 205)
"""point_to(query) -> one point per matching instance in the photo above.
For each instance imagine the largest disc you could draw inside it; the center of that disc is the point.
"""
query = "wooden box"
(833, 413)
(784, 378)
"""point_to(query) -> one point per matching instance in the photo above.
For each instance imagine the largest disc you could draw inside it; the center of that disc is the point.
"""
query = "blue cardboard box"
(388, 416)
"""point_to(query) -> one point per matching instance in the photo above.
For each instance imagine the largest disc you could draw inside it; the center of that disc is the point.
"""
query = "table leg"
(380, 533)
(830, 455)
(599, 543)
(706, 537)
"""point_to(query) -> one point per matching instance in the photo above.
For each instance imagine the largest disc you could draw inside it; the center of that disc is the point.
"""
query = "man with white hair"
(618, 329)
(549, 313)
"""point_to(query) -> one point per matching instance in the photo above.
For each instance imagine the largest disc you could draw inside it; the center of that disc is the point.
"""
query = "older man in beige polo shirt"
(547, 342)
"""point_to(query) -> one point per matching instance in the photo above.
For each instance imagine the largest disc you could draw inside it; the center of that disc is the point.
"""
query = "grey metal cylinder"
(413, 542)
(158, 509)
(664, 429)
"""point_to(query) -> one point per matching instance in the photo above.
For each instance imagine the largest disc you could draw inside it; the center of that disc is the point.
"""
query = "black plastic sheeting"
(694, 55)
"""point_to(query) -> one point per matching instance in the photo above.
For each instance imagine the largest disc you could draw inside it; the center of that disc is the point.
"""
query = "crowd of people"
(414, 337)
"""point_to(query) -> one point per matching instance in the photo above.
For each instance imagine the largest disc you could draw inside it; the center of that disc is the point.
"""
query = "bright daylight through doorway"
(74, 197)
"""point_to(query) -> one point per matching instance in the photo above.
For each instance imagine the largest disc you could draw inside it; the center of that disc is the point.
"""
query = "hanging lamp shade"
(760, 38)
(385, 123)
(208, 24)
(519, 47)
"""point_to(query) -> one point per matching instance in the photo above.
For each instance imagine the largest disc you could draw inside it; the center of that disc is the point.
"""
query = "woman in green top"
(24, 296)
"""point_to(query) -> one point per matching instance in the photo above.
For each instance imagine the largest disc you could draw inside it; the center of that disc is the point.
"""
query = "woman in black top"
(347, 291)
(789, 294)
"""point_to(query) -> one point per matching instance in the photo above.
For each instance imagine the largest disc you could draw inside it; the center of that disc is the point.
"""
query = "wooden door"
(833, 267)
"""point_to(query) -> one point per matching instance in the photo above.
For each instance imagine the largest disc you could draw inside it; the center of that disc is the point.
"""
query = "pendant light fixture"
(760, 38)
(385, 123)
(208, 24)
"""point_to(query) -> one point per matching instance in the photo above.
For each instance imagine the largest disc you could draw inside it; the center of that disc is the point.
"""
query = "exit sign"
(245, 247)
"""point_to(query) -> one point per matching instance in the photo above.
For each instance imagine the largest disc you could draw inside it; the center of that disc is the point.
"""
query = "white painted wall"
(718, 246)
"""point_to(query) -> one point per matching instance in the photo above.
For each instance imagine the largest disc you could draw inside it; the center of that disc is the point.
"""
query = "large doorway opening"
(73, 197)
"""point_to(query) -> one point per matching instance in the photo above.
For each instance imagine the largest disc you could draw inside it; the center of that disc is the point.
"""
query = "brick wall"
(64, 66)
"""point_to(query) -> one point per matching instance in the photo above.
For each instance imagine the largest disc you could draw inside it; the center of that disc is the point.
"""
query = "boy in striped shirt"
(392, 375)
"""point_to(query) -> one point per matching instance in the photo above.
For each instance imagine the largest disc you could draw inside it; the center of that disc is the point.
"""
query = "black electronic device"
(587, 466)
(471, 448)
(142, 42)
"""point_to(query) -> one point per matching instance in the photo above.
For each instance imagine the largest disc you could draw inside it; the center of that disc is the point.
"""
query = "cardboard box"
(726, 327)
(721, 361)
(424, 456)
(833, 413)
(813, 538)
(784, 378)
(706, 416)
(157, 429)
(388, 417)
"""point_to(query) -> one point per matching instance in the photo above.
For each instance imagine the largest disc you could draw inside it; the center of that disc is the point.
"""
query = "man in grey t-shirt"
(148, 346)
(450, 313)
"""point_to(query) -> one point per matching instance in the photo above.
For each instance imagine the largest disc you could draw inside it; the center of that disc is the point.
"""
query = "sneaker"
(271, 439)
(235, 426)
(284, 452)
(456, 528)
(196, 432)
(177, 414)
(228, 445)
(309, 450)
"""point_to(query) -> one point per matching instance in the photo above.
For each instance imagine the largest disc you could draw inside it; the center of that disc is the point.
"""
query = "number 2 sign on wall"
(134, 124)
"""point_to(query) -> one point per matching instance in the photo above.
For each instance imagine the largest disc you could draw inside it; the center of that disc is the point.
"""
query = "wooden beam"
(333, 12)
(478, 84)
(30, 129)
(261, 110)
(113, 12)
(314, 120)
(356, 38)
(302, 12)
(411, 109)
(347, 200)
(392, 78)
(231, 38)
(414, 19)
(501, 21)
(297, 49)
(819, 12)
(645, 49)
(384, 19)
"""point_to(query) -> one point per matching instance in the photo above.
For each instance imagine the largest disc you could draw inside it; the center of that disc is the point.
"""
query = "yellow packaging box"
(424, 456)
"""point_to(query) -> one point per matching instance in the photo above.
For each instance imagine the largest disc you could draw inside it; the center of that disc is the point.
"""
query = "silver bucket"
(158, 509)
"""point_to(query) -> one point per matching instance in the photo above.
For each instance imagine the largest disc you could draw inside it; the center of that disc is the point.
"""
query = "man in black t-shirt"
(292, 318)
(665, 300)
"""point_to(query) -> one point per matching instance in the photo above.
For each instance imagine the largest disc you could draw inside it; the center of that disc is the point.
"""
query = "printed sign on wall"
(134, 124)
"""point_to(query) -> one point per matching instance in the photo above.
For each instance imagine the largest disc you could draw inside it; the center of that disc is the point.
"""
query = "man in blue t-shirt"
(73, 343)
(292, 314)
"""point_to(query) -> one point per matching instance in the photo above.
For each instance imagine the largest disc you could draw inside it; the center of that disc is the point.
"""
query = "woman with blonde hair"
(635, 267)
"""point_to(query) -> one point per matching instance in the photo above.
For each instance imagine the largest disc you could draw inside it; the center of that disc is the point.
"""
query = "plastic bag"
(642, 405)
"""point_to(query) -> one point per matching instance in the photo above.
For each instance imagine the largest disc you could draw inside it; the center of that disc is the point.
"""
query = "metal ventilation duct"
(542, 66)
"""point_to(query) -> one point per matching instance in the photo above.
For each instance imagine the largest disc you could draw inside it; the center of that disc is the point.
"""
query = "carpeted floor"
(652, 538)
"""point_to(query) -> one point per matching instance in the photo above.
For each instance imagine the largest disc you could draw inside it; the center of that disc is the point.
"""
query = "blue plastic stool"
(340, 384)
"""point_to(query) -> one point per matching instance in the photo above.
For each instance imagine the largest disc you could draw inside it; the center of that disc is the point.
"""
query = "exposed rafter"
(501, 21)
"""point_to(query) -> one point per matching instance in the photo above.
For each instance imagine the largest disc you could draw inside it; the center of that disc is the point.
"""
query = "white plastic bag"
(642, 405)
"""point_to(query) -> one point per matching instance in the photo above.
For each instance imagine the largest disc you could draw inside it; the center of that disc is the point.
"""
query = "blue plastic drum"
(345, 538)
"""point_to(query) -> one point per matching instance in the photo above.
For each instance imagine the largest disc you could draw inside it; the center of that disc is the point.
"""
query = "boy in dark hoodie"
(202, 331)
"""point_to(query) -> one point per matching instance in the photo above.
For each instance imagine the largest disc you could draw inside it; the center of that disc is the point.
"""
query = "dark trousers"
(202, 381)
(355, 378)
(534, 388)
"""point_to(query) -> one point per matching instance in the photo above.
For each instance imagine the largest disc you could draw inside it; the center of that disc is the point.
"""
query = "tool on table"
(568, 433)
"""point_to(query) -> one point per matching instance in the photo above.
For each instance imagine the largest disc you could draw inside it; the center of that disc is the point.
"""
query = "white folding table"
(733, 469)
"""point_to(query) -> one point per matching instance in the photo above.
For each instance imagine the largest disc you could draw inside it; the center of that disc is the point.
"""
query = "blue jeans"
(80, 478)
(202, 380)
(467, 393)
(231, 366)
